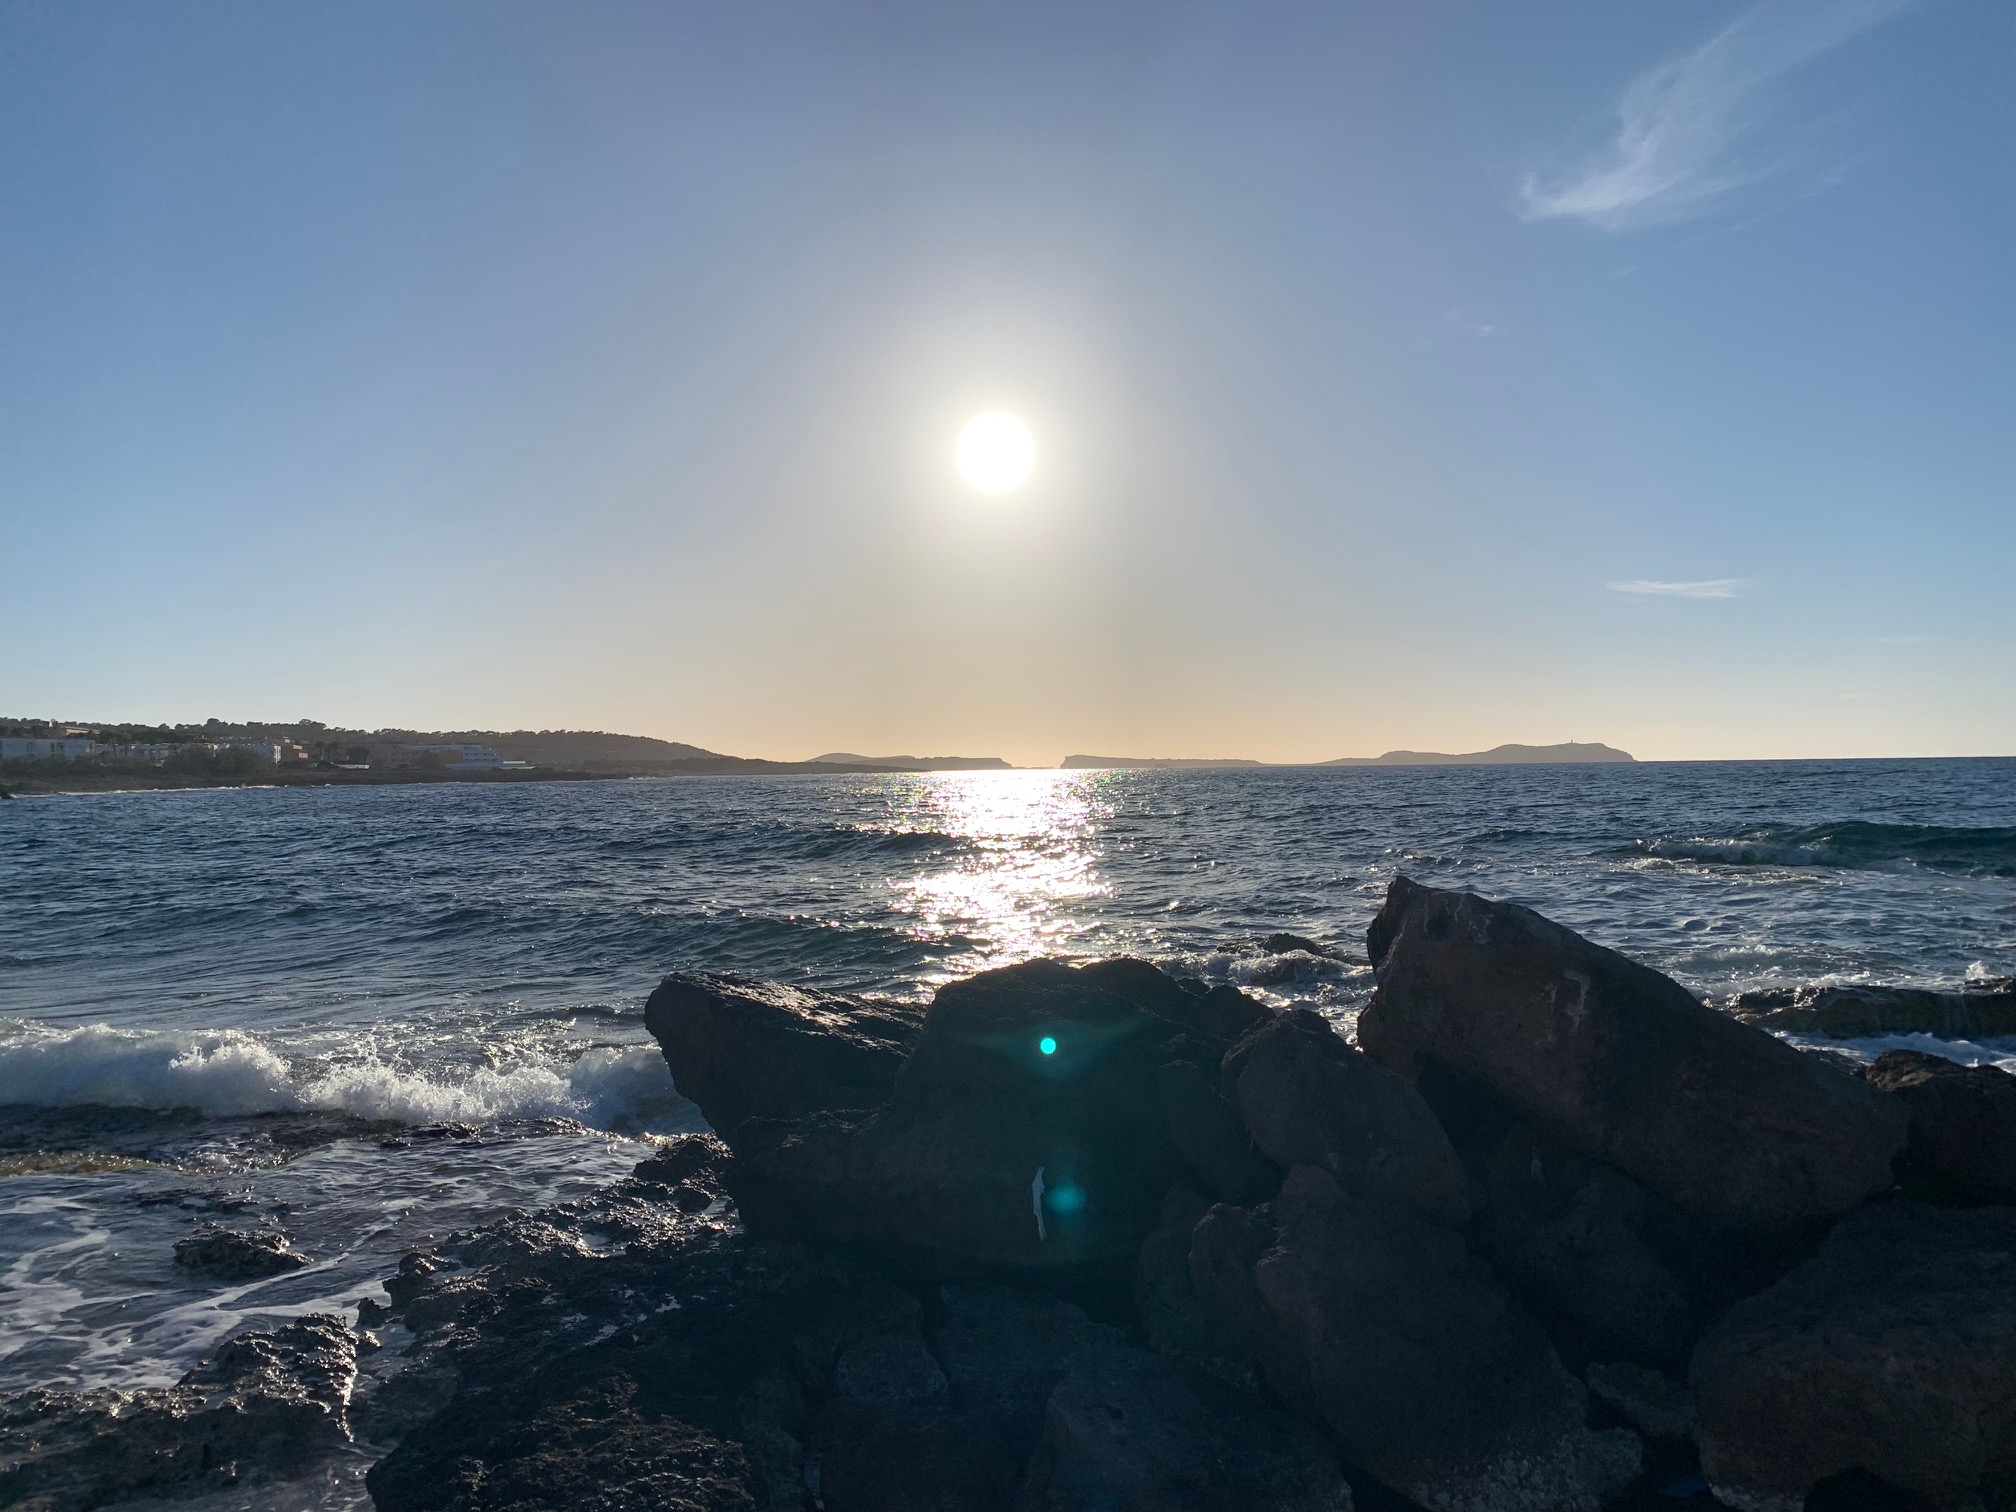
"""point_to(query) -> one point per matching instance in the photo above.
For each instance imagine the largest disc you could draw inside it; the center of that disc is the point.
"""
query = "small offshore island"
(1553, 1235)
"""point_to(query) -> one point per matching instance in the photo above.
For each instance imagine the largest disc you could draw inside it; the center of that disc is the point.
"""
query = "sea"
(367, 1017)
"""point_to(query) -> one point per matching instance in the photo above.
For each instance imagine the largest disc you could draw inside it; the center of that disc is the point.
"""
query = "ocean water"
(369, 1016)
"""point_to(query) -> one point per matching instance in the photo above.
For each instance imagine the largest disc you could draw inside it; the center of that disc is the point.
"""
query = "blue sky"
(1427, 375)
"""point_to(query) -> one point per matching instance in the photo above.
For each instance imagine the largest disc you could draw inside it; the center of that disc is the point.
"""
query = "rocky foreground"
(1553, 1235)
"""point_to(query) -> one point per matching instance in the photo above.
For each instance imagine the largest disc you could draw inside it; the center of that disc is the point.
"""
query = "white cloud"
(1707, 588)
(1687, 129)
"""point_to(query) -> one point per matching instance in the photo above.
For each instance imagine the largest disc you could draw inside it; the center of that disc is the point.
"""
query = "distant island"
(1096, 763)
(1501, 755)
(914, 763)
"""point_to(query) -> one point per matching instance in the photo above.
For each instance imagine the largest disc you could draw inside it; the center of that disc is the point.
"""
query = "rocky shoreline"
(1553, 1234)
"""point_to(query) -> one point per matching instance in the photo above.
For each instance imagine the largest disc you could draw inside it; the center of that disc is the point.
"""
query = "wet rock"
(1963, 1124)
(1311, 1099)
(1213, 1137)
(1026, 1134)
(1382, 1324)
(1282, 944)
(1123, 1433)
(1890, 1355)
(262, 1405)
(1649, 1400)
(742, 1049)
(1855, 1011)
(229, 1255)
(1720, 1118)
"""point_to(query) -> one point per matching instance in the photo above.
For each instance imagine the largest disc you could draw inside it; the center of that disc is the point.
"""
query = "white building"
(29, 748)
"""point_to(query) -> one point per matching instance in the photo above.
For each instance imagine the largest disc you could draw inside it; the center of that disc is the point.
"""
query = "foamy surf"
(226, 1073)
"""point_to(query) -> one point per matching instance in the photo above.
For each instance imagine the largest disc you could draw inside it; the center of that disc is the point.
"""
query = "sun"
(996, 452)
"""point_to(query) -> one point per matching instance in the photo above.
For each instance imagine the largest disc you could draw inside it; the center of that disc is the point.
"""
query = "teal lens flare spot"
(1047, 1045)
(1065, 1201)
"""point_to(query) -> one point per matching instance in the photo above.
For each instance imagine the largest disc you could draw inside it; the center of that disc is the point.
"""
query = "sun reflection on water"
(1029, 850)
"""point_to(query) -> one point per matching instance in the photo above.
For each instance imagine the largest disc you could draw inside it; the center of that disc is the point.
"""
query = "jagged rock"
(997, 1155)
(1853, 1011)
(1213, 1137)
(1963, 1123)
(1383, 1325)
(1283, 944)
(741, 1049)
(1649, 1400)
(1165, 1299)
(1311, 1099)
(1892, 1353)
(230, 1255)
(1122, 1433)
(262, 1404)
(1719, 1117)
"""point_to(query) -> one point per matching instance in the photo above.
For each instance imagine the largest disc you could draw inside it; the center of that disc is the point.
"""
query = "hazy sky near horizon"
(1425, 375)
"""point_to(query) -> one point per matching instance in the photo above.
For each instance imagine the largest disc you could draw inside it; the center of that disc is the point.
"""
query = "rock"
(742, 1049)
(1311, 1099)
(1854, 1011)
(1580, 1242)
(1382, 1325)
(1212, 1137)
(1283, 944)
(1720, 1118)
(1122, 1433)
(1649, 1400)
(995, 1155)
(230, 1255)
(264, 1403)
(1165, 1300)
(1963, 1123)
(1891, 1354)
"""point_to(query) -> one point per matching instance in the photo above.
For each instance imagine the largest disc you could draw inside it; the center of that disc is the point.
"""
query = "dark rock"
(1165, 1299)
(1212, 1136)
(995, 1156)
(1311, 1099)
(1383, 1325)
(1580, 1242)
(1891, 1354)
(1963, 1123)
(742, 1049)
(1649, 1400)
(1282, 944)
(230, 1255)
(1121, 1433)
(263, 1404)
(1854, 1011)
(1719, 1117)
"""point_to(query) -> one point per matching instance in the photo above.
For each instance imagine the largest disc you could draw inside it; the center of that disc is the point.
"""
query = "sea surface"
(370, 1016)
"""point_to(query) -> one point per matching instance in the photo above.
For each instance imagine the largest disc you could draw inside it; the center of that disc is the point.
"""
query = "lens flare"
(1047, 1045)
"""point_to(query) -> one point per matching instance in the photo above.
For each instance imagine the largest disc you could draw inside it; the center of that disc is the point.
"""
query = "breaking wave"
(229, 1073)
(1979, 851)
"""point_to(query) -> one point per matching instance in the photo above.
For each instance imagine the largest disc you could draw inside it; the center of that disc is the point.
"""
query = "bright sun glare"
(996, 452)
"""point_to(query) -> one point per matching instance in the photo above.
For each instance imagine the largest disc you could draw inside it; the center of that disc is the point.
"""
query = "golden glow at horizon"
(995, 452)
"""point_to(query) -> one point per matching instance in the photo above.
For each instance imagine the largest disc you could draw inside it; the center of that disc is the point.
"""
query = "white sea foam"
(228, 1072)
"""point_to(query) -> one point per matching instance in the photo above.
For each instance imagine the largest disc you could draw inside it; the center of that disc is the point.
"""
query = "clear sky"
(1423, 374)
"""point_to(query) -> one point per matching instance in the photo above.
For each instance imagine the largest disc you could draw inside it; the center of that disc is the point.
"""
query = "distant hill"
(915, 763)
(1091, 763)
(580, 750)
(1504, 755)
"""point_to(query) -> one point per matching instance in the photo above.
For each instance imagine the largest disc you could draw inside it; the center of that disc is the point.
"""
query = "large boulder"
(1855, 1010)
(1721, 1118)
(1382, 1324)
(1311, 1099)
(1026, 1133)
(1963, 1123)
(742, 1049)
(1892, 1354)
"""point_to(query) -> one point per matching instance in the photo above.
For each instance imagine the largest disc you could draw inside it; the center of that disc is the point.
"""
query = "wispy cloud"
(1707, 588)
(1688, 130)
(1467, 324)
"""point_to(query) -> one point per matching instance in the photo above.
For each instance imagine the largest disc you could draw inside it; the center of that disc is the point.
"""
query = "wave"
(229, 1073)
(1978, 851)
